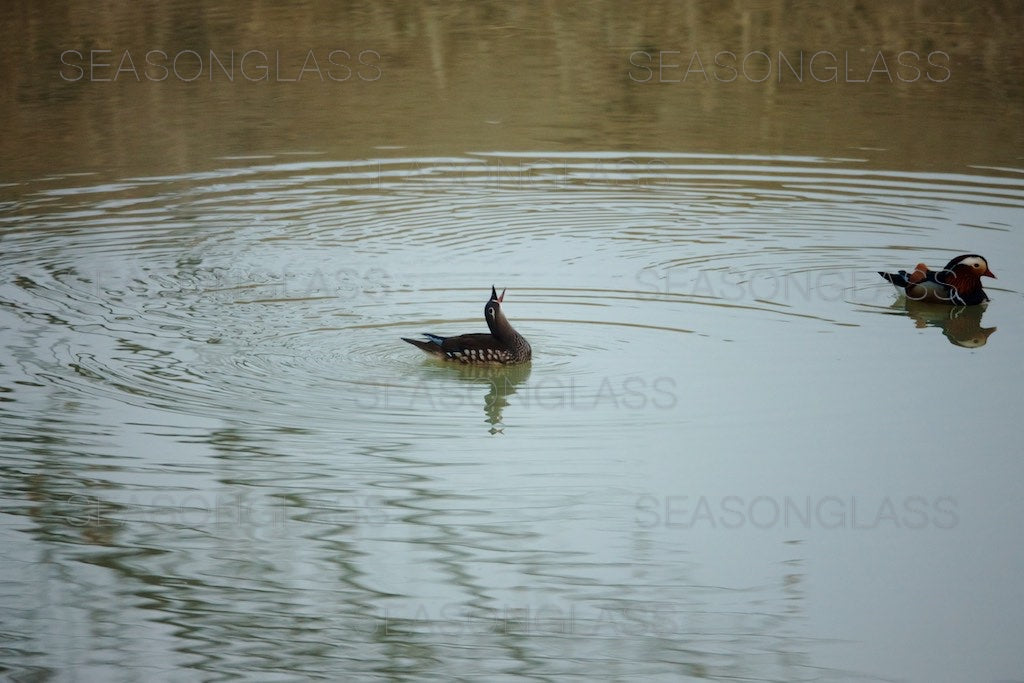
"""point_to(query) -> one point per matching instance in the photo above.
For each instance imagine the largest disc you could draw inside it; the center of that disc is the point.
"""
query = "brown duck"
(503, 345)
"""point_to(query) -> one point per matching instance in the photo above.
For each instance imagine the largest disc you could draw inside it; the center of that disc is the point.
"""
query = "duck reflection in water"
(501, 382)
(960, 324)
(457, 387)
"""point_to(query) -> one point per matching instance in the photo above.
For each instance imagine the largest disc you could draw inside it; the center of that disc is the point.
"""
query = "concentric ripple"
(277, 292)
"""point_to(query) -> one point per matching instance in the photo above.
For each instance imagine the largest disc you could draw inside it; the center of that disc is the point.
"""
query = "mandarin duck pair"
(958, 284)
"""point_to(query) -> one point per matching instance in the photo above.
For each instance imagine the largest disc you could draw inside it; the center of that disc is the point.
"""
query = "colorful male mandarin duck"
(958, 284)
(503, 345)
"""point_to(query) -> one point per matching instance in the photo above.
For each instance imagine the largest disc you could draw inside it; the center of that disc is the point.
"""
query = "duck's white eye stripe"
(975, 262)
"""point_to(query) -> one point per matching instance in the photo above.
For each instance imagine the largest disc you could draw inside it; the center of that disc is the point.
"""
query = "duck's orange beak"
(990, 274)
(500, 298)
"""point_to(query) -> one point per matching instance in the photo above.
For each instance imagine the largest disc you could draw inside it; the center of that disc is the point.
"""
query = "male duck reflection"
(958, 284)
(503, 345)
(960, 324)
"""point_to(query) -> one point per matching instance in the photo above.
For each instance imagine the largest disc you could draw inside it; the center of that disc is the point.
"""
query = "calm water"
(737, 455)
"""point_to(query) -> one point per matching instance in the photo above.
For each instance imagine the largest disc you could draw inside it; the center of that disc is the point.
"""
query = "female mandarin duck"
(958, 284)
(503, 345)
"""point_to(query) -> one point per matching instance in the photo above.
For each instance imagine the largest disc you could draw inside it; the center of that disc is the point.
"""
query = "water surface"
(737, 454)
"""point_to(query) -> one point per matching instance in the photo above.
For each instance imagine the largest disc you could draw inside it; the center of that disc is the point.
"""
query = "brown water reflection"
(490, 75)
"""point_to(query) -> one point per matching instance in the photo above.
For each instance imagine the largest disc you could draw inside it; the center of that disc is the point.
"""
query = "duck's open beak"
(990, 274)
(494, 294)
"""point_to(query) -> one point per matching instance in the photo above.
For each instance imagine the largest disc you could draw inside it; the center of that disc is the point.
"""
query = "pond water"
(737, 454)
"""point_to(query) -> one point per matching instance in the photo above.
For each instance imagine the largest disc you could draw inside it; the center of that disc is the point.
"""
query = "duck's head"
(492, 311)
(496, 321)
(970, 265)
